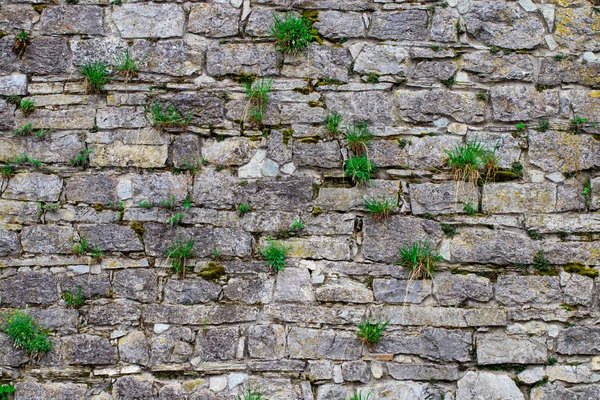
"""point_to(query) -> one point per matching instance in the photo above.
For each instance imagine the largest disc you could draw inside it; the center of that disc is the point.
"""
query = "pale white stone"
(160, 328)
(457, 129)
(80, 269)
(441, 122)
(270, 168)
(532, 375)
(462, 77)
(337, 374)
(13, 85)
(288, 169)
(124, 189)
(355, 49)
(548, 11)
(464, 5)
(376, 369)
(528, 5)
(552, 45)
(218, 383)
(596, 364)
(118, 334)
(589, 56)
(536, 176)
(246, 10)
(556, 177)
(236, 3)
(131, 369)
(235, 379)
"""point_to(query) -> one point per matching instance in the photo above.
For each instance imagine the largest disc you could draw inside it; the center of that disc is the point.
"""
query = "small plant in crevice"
(449, 82)
(176, 219)
(360, 396)
(24, 159)
(22, 40)
(216, 254)
(534, 234)
(257, 93)
(577, 124)
(540, 87)
(358, 137)
(146, 204)
(470, 208)
(494, 49)
(372, 77)
(85, 247)
(541, 382)
(7, 171)
(25, 333)
(72, 1)
(82, 159)
(517, 168)
(167, 116)
(48, 207)
(552, 361)
(520, 127)
(169, 203)
(380, 208)
(472, 161)
(296, 226)
(96, 76)
(586, 192)
(293, 34)
(581, 269)
(24, 130)
(333, 122)
(127, 65)
(178, 253)
(187, 203)
(482, 96)
(541, 264)
(243, 209)
(370, 333)
(27, 107)
(73, 300)
(274, 254)
(360, 169)
(251, 394)
(420, 257)
(449, 230)
(5, 390)
(543, 125)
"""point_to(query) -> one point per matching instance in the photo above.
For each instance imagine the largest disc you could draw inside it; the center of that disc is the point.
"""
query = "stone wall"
(426, 77)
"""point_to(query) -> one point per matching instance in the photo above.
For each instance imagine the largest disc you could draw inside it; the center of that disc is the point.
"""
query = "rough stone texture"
(145, 332)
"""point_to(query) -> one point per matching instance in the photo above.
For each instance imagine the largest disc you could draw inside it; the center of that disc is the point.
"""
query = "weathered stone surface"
(338, 25)
(9, 244)
(120, 117)
(382, 59)
(266, 341)
(374, 106)
(11, 357)
(383, 241)
(7, 119)
(33, 186)
(486, 385)
(49, 239)
(8, 59)
(576, 28)
(175, 57)
(433, 69)
(293, 284)
(29, 390)
(75, 118)
(58, 147)
(91, 285)
(578, 340)
(429, 105)
(116, 313)
(89, 350)
(399, 25)
(135, 284)
(98, 188)
(149, 20)
(233, 151)
(344, 290)
(186, 151)
(505, 25)
(562, 151)
(445, 198)
(400, 291)
(570, 222)
(511, 289)
(134, 349)
(249, 291)
(111, 237)
(69, 19)
(134, 387)
(410, 315)
(567, 70)
(522, 103)
(322, 154)
(497, 67)
(217, 344)
(13, 85)
(444, 25)
(504, 349)
(318, 62)
(344, 199)
(14, 19)
(90, 50)
(356, 371)
(422, 371)
(557, 391)
(431, 343)
(579, 290)
(483, 246)
(515, 197)
(156, 187)
(204, 108)
(118, 154)
(453, 290)
(214, 20)
(320, 343)
(232, 58)
(29, 288)
(47, 55)
(191, 291)
(172, 346)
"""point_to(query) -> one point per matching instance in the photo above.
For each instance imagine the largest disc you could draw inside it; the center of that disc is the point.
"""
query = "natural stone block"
(9, 243)
(233, 151)
(156, 187)
(29, 288)
(149, 20)
(217, 344)
(266, 341)
(134, 387)
(319, 247)
(91, 189)
(318, 62)
(382, 241)
(186, 151)
(400, 291)
(322, 154)
(135, 284)
(444, 198)
(89, 350)
(294, 285)
(118, 154)
(486, 385)
(13, 85)
(344, 199)
(476, 245)
(568, 70)
(382, 59)
(440, 316)
(134, 349)
(579, 340)
(115, 313)
(8, 59)
(111, 237)
(11, 357)
(505, 25)
(575, 28)
(518, 198)
(236, 58)
(399, 25)
(120, 117)
(320, 343)
(356, 371)
(337, 25)
(561, 151)
(504, 349)
(489, 67)
(172, 346)
(453, 290)
(34, 187)
(49, 239)
(422, 372)
(214, 20)
(74, 118)
(47, 55)
(295, 313)
(429, 105)
(94, 49)
(15, 18)
(430, 151)
(71, 20)
(91, 285)
(511, 289)
(205, 108)
(369, 106)
(57, 147)
(56, 391)
(195, 315)
(557, 391)
(344, 290)
(579, 290)
(523, 103)
(434, 69)
(175, 57)
(443, 26)
(249, 291)
(191, 291)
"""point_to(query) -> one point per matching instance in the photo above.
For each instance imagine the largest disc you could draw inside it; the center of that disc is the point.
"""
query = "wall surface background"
(487, 327)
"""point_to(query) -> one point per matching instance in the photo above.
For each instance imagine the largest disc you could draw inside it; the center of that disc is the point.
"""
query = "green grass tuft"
(5, 390)
(178, 253)
(167, 116)
(420, 258)
(358, 137)
(127, 65)
(96, 76)
(250, 394)
(360, 396)
(24, 159)
(370, 333)
(82, 159)
(380, 208)
(360, 169)
(73, 300)
(243, 209)
(274, 254)
(27, 107)
(257, 93)
(25, 333)
(333, 123)
(471, 161)
(293, 34)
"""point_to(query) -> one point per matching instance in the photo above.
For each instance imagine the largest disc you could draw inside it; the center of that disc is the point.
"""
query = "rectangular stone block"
(307, 343)
(149, 20)
(73, 19)
(503, 349)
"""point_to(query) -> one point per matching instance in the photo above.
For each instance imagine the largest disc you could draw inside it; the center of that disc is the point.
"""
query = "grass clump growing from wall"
(360, 169)
(73, 300)
(380, 209)
(257, 93)
(332, 123)
(178, 253)
(167, 116)
(420, 258)
(293, 34)
(370, 333)
(22, 40)
(274, 254)
(360, 396)
(472, 161)
(96, 76)
(358, 137)
(127, 65)
(25, 333)
(5, 390)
